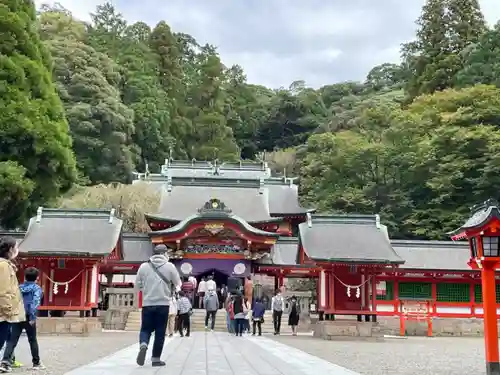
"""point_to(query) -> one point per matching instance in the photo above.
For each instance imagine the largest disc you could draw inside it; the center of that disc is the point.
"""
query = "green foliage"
(36, 160)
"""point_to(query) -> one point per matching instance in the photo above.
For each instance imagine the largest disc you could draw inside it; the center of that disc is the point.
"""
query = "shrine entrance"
(218, 276)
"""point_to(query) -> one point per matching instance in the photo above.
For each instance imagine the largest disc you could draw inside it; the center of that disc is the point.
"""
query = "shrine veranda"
(235, 220)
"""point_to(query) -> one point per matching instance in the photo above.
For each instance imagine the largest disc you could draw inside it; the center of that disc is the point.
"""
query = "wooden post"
(490, 319)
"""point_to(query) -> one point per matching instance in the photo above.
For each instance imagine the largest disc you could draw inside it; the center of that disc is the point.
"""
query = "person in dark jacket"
(32, 295)
(239, 314)
(258, 316)
(294, 316)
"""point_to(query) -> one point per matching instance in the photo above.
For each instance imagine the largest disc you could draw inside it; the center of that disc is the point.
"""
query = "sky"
(278, 42)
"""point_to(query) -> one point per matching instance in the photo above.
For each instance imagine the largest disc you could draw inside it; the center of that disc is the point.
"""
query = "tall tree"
(36, 160)
(87, 82)
(466, 24)
(446, 28)
(428, 58)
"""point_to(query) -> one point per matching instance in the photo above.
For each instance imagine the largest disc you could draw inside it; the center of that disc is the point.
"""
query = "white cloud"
(280, 41)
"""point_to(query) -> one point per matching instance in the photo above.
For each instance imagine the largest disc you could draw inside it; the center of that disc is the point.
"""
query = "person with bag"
(158, 280)
(258, 316)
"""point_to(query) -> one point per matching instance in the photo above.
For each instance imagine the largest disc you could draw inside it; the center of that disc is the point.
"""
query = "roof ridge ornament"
(377, 221)
(169, 184)
(39, 212)
(309, 220)
(261, 186)
(214, 205)
(482, 206)
(111, 215)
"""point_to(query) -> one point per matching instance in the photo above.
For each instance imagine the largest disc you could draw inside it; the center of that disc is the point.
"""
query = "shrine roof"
(246, 187)
(433, 255)
(253, 201)
(137, 247)
(481, 215)
(283, 253)
(347, 238)
(243, 170)
(214, 210)
(250, 204)
(72, 232)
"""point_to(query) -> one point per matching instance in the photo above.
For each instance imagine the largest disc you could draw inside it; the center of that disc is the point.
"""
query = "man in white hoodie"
(158, 280)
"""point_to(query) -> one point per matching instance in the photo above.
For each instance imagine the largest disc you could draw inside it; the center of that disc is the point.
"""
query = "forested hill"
(88, 103)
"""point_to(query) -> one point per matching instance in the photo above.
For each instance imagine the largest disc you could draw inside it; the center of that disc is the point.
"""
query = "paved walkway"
(206, 353)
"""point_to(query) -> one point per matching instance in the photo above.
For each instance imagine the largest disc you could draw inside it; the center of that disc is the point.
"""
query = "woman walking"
(293, 318)
(11, 302)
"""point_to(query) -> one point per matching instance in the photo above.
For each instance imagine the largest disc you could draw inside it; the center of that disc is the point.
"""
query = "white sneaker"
(39, 367)
(211, 330)
(206, 327)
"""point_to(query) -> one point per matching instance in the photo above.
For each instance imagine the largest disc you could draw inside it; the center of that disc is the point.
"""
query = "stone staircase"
(198, 322)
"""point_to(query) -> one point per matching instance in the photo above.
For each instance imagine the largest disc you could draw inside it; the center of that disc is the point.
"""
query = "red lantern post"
(482, 230)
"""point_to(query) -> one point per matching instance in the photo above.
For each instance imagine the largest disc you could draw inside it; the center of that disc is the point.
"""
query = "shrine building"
(232, 220)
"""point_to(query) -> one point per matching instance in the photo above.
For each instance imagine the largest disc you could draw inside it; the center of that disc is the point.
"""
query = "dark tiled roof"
(284, 253)
(284, 199)
(481, 214)
(136, 247)
(350, 238)
(72, 232)
(206, 169)
(250, 204)
(433, 255)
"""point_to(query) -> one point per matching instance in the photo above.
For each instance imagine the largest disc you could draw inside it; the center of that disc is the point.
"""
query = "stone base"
(68, 326)
(468, 327)
(337, 329)
(115, 319)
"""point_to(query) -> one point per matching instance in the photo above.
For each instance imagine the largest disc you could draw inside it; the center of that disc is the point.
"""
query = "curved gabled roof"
(214, 210)
(481, 215)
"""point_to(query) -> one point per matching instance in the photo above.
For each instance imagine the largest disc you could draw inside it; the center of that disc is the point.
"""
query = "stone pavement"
(207, 353)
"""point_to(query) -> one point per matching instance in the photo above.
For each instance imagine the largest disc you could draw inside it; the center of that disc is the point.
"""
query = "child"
(32, 295)
(185, 309)
(258, 316)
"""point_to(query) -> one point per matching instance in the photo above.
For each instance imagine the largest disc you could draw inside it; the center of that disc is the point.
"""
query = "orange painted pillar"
(490, 320)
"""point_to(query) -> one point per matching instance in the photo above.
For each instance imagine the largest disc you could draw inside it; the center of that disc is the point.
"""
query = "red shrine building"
(235, 220)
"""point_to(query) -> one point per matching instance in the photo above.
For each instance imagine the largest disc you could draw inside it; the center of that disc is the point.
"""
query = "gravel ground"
(412, 356)
(61, 354)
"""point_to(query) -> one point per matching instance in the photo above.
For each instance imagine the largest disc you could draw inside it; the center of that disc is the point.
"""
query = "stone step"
(198, 322)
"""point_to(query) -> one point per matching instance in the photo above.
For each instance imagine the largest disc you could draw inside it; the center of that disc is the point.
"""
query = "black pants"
(277, 320)
(210, 315)
(239, 326)
(17, 329)
(257, 324)
(4, 333)
(184, 324)
(154, 319)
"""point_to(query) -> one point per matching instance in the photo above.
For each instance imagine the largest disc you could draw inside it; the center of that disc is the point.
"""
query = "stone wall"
(68, 326)
(440, 327)
(336, 329)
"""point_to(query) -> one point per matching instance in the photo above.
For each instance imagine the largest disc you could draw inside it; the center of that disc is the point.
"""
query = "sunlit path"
(217, 354)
